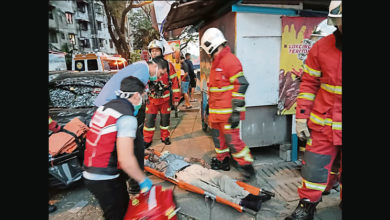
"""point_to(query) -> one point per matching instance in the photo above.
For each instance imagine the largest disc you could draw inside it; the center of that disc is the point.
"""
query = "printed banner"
(57, 61)
(295, 45)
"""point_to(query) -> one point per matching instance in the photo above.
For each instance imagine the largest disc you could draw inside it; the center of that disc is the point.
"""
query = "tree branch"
(127, 9)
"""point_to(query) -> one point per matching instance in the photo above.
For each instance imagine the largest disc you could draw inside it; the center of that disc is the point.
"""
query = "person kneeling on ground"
(184, 169)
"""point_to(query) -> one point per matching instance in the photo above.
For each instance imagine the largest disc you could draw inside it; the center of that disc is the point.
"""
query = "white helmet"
(211, 39)
(335, 13)
(156, 44)
(322, 30)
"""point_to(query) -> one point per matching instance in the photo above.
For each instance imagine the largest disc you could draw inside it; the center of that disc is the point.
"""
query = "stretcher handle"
(268, 192)
(251, 189)
(250, 211)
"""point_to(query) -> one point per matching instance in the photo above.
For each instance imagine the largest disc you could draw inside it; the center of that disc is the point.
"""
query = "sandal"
(194, 100)
(188, 107)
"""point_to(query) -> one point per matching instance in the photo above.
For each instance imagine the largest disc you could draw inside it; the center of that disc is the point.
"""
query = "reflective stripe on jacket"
(226, 82)
(100, 154)
(320, 97)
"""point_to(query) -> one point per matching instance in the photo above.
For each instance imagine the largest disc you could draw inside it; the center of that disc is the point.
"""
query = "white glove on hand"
(302, 130)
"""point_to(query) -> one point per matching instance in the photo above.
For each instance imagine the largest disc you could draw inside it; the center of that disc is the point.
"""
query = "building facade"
(79, 25)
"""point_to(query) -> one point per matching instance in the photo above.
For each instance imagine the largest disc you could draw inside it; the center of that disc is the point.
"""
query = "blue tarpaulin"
(138, 69)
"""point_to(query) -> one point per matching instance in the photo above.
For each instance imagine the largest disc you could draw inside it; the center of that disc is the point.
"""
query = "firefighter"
(318, 114)
(159, 97)
(226, 89)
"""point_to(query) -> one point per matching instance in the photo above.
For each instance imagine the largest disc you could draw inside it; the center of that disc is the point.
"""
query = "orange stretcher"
(186, 186)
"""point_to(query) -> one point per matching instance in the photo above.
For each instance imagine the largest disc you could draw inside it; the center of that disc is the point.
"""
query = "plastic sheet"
(72, 95)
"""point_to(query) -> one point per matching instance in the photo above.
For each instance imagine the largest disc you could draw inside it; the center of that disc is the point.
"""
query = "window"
(99, 26)
(92, 65)
(106, 65)
(83, 25)
(85, 43)
(69, 18)
(72, 38)
(81, 7)
(53, 37)
(51, 13)
(101, 42)
(99, 9)
(111, 46)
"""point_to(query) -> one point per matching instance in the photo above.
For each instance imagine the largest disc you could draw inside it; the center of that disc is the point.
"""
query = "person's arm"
(185, 68)
(127, 160)
(127, 127)
(175, 84)
(240, 86)
(197, 160)
(310, 83)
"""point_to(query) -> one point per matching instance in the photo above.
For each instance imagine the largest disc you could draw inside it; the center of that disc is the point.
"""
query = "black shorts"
(193, 82)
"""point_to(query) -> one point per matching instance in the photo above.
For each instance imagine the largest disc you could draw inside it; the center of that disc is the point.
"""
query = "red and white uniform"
(320, 102)
(100, 156)
(162, 105)
(227, 82)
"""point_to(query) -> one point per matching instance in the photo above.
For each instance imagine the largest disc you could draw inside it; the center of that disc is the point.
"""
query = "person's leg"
(165, 113)
(334, 176)
(184, 90)
(317, 163)
(192, 88)
(221, 148)
(149, 125)
(341, 171)
(112, 196)
(201, 177)
(240, 152)
(187, 100)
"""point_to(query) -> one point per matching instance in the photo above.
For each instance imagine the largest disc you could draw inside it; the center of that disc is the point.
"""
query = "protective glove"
(145, 185)
(302, 130)
(234, 119)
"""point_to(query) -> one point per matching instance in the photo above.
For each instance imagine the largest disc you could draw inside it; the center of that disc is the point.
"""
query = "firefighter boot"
(166, 141)
(262, 196)
(304, 211)
(247, 171)
(147, 144)
(215, 163)
(218, 165)
(255, 205)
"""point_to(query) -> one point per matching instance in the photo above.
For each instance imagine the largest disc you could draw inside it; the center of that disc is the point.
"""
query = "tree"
(68, 55)
(142, 29)
(189, 34)
(116, 12)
